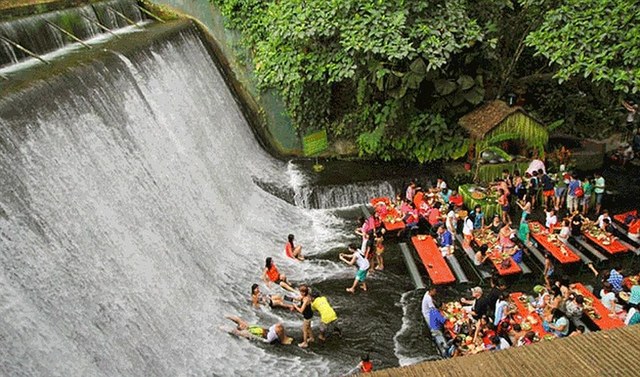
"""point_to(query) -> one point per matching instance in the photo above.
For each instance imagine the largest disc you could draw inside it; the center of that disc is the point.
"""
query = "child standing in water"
(379, 250)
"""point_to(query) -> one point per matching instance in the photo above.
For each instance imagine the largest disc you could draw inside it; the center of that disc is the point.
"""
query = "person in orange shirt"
(270, 274)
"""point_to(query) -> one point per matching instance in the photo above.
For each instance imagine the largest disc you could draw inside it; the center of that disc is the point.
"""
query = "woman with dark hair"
(257, 299)
(291, 250)
(270, 274)
(307, 314)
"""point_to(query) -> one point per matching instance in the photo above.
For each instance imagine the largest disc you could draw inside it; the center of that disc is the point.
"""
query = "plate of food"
(478, 195)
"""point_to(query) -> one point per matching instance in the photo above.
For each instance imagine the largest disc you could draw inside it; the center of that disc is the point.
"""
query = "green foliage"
(358, 67)
(597, 39)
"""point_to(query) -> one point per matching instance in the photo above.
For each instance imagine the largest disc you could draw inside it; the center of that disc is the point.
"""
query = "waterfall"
(41, 33)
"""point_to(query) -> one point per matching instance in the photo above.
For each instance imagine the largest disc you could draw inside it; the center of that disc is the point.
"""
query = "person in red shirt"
(434, 215)
(291, 250)
(365, 365)
(456, 199)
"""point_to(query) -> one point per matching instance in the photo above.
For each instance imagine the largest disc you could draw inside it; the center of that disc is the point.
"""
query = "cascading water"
(41, 33)
(335, 196)
(130, 223)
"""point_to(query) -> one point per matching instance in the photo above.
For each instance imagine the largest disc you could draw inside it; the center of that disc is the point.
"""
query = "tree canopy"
(598, 39)
(395, 75)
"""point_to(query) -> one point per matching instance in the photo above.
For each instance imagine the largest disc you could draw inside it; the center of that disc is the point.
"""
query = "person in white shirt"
(565, 231)
(467, 229)
(427, 302)
(604, 215)
(551, 219)
(363, 267)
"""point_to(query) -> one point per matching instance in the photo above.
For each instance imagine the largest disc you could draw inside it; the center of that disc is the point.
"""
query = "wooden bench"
(583, 258)
(525, 269)
(590, 249)
(482, 274)
(535, 252)
(411, 266)
(457, 269)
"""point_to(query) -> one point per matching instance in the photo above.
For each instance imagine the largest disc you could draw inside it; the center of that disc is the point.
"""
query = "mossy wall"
(271, 112)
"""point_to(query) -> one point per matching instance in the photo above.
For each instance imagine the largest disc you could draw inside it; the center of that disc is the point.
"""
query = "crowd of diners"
(490, 320)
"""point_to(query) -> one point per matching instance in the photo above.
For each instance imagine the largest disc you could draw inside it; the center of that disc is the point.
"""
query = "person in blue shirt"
(436, 319)
(445, 241)
(478, 221)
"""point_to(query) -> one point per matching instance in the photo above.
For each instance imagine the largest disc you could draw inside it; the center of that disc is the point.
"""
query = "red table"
(613, 248)
(604, 322)
(434, 263)
(486, 236)
(392, 220)
(622, 216)
(554, 246)
(525, 315)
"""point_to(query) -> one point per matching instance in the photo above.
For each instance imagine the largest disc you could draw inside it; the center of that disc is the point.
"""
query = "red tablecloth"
(391, 218)
(554, 247)
(604, 322)
(434, 263)
(613, 248)
(487, 237)
(525, 315)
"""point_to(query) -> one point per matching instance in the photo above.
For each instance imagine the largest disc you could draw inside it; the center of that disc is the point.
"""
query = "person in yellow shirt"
(328, 316)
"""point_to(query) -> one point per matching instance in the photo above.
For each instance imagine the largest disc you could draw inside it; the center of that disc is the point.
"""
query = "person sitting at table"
(445, 241)
(481, 255)
(410, 191)
(603, 215)
(436, 319)
(516, 254)
(565, 231)
(434, 215)
(574, 307)
(501, 308)
(456, 199)
(499, 343)
(451, 222)
(633, 316)
(496, 224)
(505, 235)
(615, 279)
(576, 225)
(476, 293)
(558, 325)
(609, 300)
(542, 299)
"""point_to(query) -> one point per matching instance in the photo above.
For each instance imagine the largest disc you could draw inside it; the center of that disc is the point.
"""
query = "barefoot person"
(291, 250)
(257, 299)
(273, 335)
(363, 266)
(271, 274)
(328, 316)
(307, 314)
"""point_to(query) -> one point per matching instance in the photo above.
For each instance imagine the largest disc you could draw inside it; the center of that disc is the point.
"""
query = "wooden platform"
(602, 353)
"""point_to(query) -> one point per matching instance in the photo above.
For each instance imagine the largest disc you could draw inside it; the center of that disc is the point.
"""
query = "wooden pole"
(101, 26)
(68, 34)
(130, 21)
(150, 14)
(23, 49)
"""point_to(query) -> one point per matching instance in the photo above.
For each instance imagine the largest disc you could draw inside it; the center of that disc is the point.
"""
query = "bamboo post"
(101, 26)
(130, 21)
(68, 34)
(23, 49)
(147, 12)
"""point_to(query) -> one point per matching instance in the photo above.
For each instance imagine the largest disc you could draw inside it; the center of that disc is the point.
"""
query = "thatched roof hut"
(496, 117)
